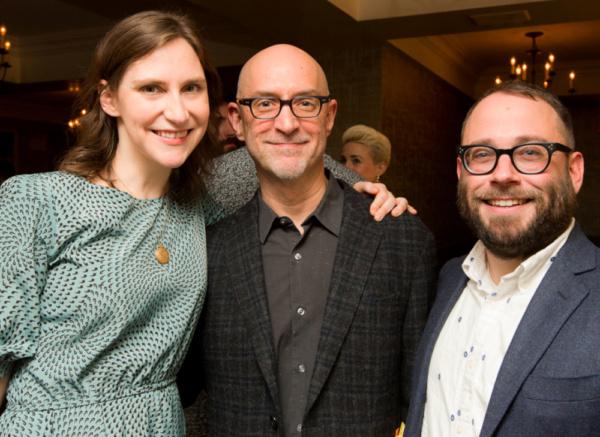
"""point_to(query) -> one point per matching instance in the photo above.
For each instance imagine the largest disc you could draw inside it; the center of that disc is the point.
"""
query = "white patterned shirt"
(471, 346)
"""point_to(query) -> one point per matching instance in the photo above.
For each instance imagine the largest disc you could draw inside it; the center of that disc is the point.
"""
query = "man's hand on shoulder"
(384, 201)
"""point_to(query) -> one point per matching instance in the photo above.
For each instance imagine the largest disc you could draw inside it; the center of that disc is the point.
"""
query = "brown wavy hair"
(96, 138)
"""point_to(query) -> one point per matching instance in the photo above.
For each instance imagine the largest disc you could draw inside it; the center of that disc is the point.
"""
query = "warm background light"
(527, 73)
(571, 79)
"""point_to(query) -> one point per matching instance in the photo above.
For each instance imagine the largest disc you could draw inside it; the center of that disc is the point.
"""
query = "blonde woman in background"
(366, 152)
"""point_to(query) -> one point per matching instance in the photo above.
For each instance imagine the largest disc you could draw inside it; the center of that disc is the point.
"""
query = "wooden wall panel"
(422, 116)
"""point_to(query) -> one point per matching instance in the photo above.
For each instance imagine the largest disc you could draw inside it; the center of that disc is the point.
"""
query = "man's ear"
(107, 99)
(235, 118)
(458, 167)
(331, 111)
(576, 170)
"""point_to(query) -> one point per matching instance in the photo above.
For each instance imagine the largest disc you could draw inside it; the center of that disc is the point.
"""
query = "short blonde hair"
(379, 145)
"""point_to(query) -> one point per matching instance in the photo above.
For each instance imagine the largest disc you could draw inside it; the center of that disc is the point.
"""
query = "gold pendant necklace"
(161, 254)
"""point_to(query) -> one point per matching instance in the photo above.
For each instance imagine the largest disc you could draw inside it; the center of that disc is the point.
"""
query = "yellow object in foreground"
(400, 431)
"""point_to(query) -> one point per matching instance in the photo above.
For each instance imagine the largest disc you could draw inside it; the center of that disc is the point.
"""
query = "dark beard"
(552, 219)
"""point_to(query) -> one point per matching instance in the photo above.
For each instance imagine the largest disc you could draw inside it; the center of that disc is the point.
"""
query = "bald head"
(276, 64)
(286, 146)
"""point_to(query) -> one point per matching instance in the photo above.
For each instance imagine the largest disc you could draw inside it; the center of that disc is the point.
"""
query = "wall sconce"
(4, 50)
(75, 122)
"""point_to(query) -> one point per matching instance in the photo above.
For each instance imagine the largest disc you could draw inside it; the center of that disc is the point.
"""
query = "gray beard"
(287, 172)
(552, 219)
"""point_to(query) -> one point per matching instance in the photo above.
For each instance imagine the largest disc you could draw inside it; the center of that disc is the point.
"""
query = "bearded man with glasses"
(512, 344)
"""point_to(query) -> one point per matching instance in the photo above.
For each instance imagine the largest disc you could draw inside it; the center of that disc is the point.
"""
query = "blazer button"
(274, 423)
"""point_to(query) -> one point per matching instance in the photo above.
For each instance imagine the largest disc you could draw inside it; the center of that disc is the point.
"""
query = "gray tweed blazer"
(382, 282)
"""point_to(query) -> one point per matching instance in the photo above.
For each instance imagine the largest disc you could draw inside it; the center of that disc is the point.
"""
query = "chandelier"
(4, 49)
(523, 72)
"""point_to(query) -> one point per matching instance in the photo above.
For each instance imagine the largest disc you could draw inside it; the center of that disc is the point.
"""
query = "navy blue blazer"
(381, 285)
(549, 381)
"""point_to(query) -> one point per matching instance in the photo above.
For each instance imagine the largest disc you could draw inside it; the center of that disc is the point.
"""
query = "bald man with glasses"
(314, 310)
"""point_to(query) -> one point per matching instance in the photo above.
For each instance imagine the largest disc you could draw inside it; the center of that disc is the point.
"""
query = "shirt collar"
(328, 212)
(476, 269)
(545, 257)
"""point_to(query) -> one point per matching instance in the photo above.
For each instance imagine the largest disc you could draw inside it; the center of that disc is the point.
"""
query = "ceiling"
(52, 39)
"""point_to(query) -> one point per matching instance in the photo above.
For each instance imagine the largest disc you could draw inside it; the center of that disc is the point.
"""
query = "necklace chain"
(161, 254)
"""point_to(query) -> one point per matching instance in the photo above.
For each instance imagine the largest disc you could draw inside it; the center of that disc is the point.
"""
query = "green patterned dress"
(92, 328)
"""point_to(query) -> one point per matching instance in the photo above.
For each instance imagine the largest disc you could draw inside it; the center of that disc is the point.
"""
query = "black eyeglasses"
(270, 107)
(528, 158)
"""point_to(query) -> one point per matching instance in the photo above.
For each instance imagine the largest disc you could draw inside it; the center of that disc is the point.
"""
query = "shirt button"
(301, 311)
(297, 257)
(471, 364)
(301, 368)
(282, 222)
(299, 427)
(461, 429)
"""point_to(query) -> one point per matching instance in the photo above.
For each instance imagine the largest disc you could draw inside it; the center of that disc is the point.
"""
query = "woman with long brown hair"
(103, 263)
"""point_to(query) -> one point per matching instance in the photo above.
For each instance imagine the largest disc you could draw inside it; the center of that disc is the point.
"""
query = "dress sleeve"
(213, 212)
(235, 182)
(23, 271)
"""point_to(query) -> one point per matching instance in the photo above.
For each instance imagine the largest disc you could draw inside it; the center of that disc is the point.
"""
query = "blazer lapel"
(556, 298)
(246, 271)
(356, 249)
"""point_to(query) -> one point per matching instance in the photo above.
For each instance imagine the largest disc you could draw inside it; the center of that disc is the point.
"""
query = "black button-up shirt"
(298, 270)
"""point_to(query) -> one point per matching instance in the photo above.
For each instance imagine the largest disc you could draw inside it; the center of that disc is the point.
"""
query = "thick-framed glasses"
(528, 158)
(270, 107)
